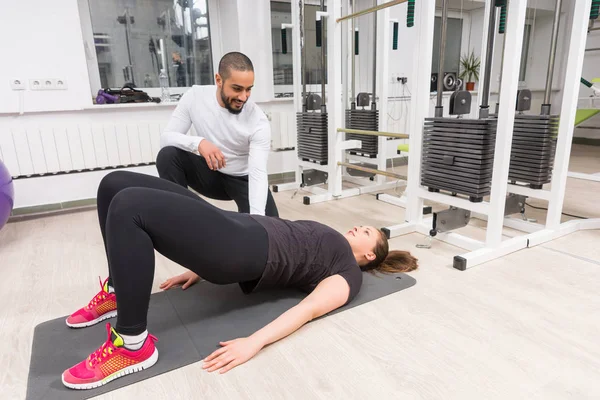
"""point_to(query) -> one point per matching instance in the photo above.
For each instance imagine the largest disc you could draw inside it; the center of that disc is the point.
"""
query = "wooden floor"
(526, 326)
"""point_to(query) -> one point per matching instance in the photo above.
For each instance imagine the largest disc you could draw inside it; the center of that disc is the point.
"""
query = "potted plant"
(469, 69)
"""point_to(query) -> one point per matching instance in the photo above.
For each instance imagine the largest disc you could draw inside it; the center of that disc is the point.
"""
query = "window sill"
(130, 105)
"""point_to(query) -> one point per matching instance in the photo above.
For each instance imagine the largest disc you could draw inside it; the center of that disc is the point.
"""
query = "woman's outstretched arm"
(331, 293)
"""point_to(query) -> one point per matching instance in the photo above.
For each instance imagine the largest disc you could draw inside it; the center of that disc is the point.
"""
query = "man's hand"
(232, 354)
(186, 279)
(211, 153)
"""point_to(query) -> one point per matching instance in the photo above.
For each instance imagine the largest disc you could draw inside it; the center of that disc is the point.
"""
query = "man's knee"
(166, 159)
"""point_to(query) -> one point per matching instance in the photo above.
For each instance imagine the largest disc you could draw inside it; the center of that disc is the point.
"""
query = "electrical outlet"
(17, 84)
(36, 84)
(60, 84)
(47, 84)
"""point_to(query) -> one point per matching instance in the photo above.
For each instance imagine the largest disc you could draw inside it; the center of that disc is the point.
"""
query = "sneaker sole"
(101, 318)
(126, 371)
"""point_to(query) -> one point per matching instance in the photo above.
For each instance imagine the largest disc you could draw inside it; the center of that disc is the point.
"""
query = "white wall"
(42, 39)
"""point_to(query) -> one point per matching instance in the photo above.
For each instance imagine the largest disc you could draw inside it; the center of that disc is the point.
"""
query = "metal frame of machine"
(335, 172)
(494, 210)
(461, 209)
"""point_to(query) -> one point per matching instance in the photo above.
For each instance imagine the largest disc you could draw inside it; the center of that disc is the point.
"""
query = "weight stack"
(533, 149)
(367, 120)
(458, 156)
(312, 137)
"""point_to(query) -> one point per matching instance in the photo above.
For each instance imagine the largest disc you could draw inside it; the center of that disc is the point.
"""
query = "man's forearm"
(258, 187)
(183, 142)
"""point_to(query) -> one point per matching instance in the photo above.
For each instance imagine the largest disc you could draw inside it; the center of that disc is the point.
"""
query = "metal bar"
(302, 52)
(501, 67)
(489, 58)
(372, 9)
(553, 44)
(373, 105)
(593, 49)
(588, 127)
(374, 133)
(439, 110)
(465, 261)
(371, 170)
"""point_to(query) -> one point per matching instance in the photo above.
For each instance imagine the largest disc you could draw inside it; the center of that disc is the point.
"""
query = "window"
(281, 12)
(135, 39)
(453, 46)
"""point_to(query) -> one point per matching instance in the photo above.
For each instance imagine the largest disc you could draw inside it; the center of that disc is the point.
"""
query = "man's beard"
(228, 104)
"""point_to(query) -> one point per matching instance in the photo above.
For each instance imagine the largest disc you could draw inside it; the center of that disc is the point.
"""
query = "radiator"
(48, 150)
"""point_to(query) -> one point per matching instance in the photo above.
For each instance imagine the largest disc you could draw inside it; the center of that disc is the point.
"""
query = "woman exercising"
(140, 213)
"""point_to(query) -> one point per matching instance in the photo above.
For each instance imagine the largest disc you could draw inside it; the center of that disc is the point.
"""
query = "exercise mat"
(188, 324)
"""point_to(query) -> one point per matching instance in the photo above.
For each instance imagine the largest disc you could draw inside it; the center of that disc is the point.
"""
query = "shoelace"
(101, 295)
(104, 351)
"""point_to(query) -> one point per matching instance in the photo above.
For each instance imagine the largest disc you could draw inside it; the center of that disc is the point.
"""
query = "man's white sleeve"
(258, 180)
(175, 133)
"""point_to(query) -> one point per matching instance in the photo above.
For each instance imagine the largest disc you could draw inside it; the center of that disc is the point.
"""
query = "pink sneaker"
(101, 307)
(109, 362)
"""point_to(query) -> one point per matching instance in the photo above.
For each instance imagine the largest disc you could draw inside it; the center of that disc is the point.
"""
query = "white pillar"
(425, 13)
(334, 92)
(568, 109)
(506, 118)
(383, 67)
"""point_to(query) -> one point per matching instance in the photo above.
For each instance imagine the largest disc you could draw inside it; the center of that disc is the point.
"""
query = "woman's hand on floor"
(232, 354)
(186, 279)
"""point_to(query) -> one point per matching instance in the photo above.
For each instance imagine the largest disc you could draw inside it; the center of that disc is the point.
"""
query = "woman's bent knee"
(127, 202)
(112, 183)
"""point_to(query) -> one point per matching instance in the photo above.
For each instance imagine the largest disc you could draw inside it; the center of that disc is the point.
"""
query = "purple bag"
(106, 98)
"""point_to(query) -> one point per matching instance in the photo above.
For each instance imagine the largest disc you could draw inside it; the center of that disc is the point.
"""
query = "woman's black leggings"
(140, 213)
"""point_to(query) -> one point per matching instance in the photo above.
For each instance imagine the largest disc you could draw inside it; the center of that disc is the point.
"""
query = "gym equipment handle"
(595, 9)
(283, 41)
(502, 25)
(319, 36)
(410, 14)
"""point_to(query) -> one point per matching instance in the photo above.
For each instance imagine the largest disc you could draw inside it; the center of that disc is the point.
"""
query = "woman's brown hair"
(391, 261)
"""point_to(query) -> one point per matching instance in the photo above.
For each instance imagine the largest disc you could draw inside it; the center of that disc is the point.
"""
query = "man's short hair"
(234, 61)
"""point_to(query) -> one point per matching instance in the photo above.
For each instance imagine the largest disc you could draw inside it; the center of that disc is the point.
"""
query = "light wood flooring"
(525, 326)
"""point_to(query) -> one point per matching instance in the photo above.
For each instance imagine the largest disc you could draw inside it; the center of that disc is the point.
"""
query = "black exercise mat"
(188, 324)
